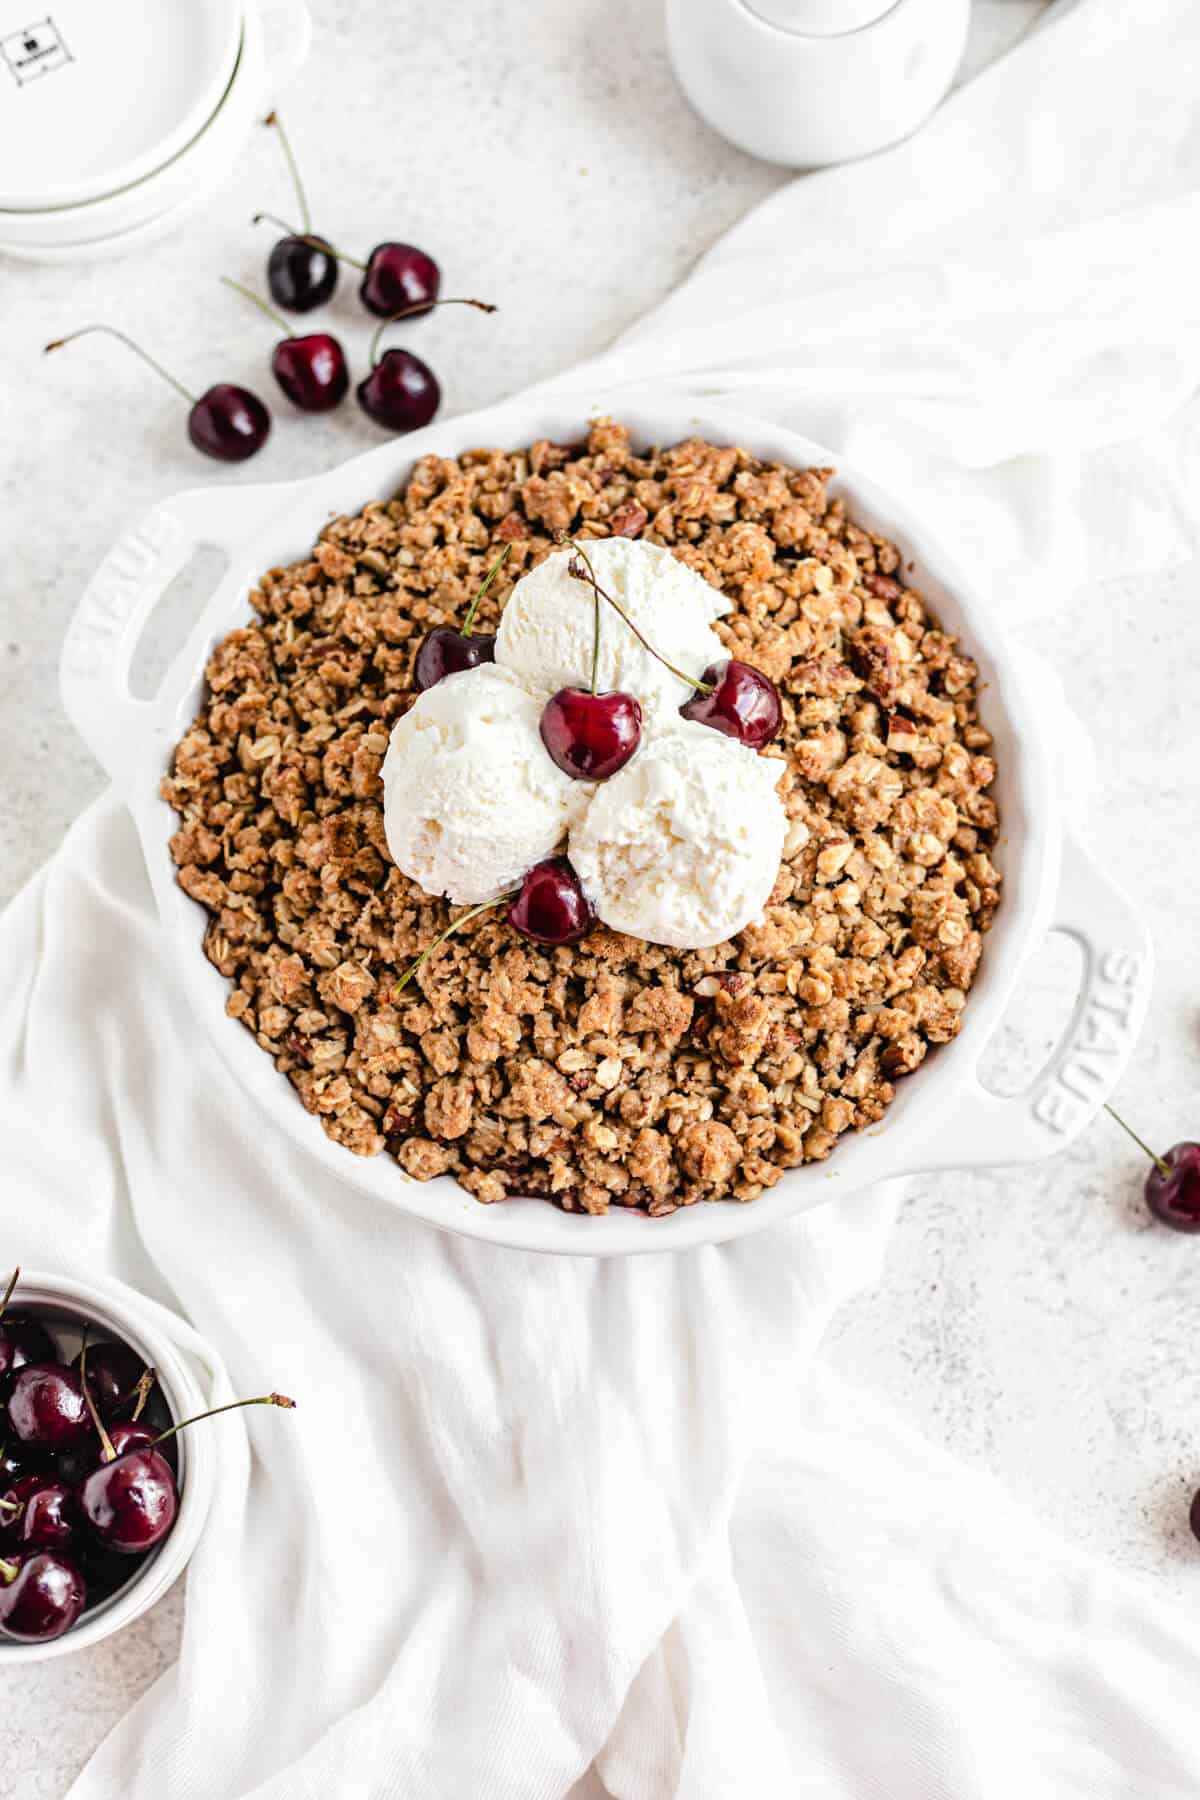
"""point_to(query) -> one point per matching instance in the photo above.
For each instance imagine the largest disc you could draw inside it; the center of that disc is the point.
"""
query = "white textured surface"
(1032, 1322)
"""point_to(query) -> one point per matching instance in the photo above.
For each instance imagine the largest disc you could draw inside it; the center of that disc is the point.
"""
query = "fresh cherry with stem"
(46, 1407)
(590, 735)
(42, 1595)
(740, 701)
(401, 392)
(130, 1501)
(1172, 1189)
(115, 1374)
(311, 370)
(38, 1512)
(550, 907)
(22, 1339)
(731, 697)
(444, 651)
(227, 422)
(302, 269)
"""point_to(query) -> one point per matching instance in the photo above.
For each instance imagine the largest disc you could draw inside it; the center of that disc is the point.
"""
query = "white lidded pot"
(116, 119)
(807, 82)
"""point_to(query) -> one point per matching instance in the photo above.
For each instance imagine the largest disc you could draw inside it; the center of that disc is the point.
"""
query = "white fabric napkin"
(536, 1513)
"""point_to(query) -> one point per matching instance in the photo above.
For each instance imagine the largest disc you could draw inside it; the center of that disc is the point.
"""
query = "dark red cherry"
(445, 651)
(15, 1461)
(302, 273)
(743, 703)
(401, 392)
(130, 1504)
(551, 907)
(229, 423)
(312, 371)
(113, 1373)
(399, 276)
(1174, 1196)
(591, 736)
(46, 1407)
(38, 1512)
(41, 1595)
(130, 1436)
(23, 1340)
(103, 1570)
(302, 269)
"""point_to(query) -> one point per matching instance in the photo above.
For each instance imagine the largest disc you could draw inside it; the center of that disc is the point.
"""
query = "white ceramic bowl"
(67, 1305)
(942, 1117)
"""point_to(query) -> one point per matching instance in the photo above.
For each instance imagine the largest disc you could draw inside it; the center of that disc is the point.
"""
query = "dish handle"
(101, 640)
(1087, 1063)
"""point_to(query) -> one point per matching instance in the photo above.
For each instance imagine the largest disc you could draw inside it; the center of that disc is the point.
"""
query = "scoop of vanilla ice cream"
(547, 626)
(682, 845)
(471, 800)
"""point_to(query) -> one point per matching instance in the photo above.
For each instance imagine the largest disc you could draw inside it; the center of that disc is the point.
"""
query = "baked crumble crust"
(613, 1072)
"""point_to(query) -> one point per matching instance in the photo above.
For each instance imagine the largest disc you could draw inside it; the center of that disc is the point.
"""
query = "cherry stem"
(308, 237)
(232, 1406)
(474, 607)
(8, 1292)
(111, 331)
(12, 1506)
(423, 306)
(257, 300)
(1164, 1168)
(145, 1383)
(8, 1571)
(107, 1452)
(581, 568)
(274, 119)
(454, 925)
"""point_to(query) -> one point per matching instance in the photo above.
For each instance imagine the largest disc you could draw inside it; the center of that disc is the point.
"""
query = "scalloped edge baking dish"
(941, 1118)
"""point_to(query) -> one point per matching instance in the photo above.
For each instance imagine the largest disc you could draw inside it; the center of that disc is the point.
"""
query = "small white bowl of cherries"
(102, 1500)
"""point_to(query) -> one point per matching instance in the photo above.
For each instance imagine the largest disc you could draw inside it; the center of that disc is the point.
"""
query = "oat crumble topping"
(614, 1072)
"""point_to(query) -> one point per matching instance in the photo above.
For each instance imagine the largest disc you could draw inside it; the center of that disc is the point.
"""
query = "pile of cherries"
(590, 735)
(88, 1473)
(399, 391)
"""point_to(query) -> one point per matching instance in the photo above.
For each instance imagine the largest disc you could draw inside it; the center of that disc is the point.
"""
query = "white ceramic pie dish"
(942, 1117)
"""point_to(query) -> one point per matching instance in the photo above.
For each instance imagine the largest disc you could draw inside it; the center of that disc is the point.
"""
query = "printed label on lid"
(34, 51)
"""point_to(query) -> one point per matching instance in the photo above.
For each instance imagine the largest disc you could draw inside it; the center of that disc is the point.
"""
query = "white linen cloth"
(537, 1513)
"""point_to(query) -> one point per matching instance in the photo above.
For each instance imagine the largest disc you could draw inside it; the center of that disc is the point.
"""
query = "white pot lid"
(96, 96)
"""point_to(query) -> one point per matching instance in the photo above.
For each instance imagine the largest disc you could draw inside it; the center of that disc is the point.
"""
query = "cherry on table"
(401, 392)
(399, 278)
(46, 1407)
(38, 1511)
(1172, 1188)
(738, 700)
(591, 736)
(311, 370)
(226, 422)
(551, 907)
(42, 1593)
(302, 268)
(444, 651)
